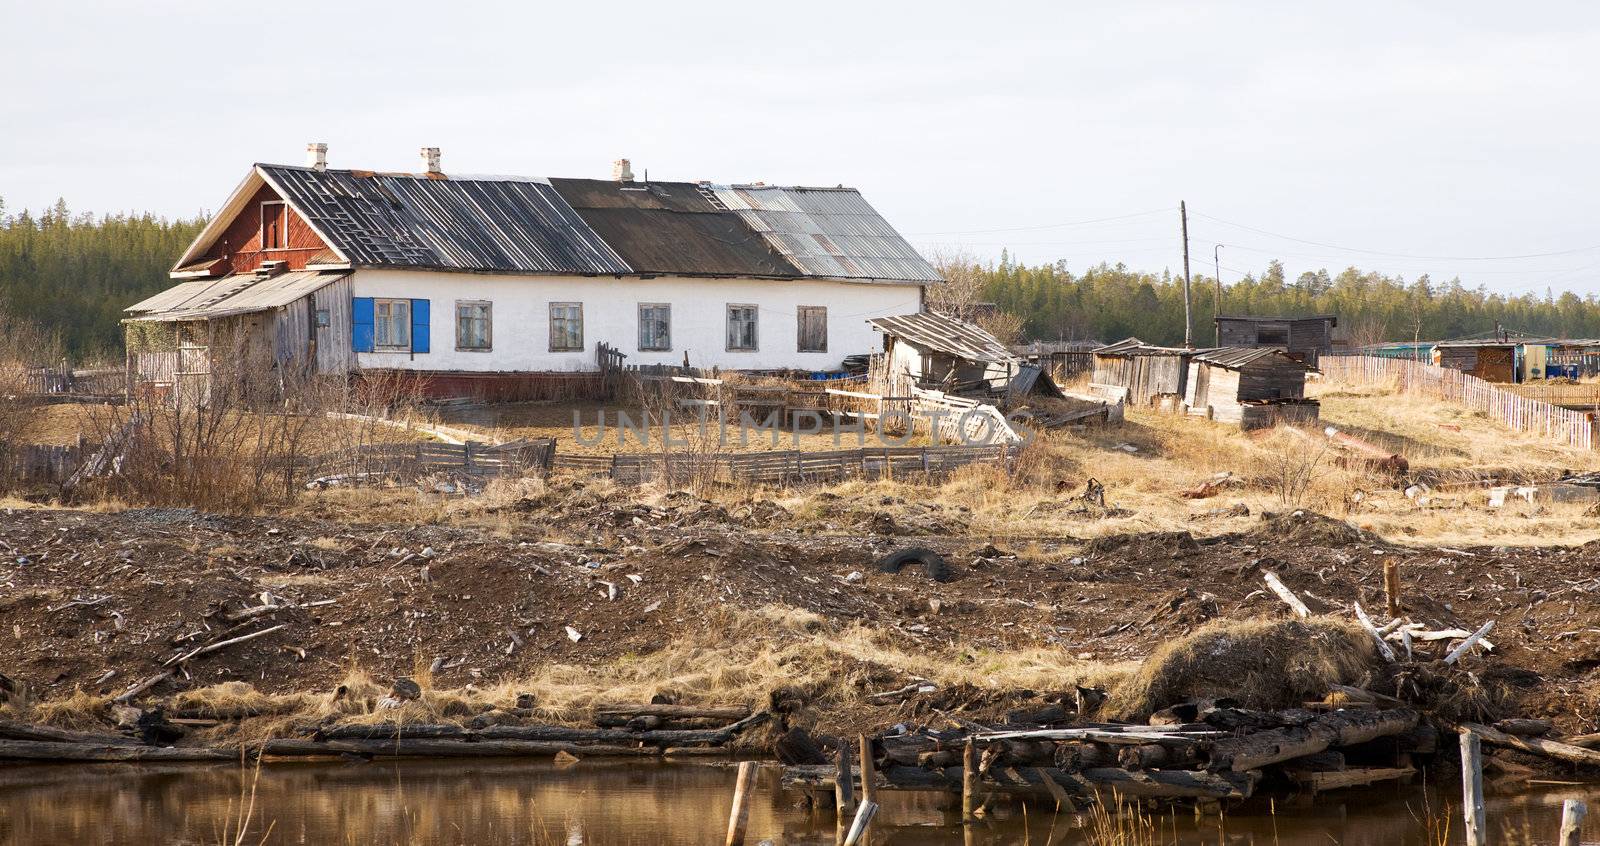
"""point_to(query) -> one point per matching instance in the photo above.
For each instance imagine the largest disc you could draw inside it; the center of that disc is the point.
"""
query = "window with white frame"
(813, 329)
(474, 325)
(655, 327)
(741, 327)
(274, 225)
(566, 327)
(393, 324)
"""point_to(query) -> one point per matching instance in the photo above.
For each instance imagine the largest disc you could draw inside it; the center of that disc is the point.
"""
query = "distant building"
(449, 276)
(1303, 338)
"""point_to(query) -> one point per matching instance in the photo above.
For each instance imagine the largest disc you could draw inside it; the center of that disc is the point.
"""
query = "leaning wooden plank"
(1283, 592)
(37, 750)
(1455, 654)
(1384, 648)
(1536, 745)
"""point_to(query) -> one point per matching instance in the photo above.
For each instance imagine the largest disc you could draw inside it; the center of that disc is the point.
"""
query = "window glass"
(655, 326)
(473, 325)
(741, 327)
(393, 319)
(566, 327)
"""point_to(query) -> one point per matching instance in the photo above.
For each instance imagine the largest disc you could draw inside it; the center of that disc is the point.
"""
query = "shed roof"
(1286, 318)
(1233, 358)
(944, 334)
(231, 295)
(1134, 346)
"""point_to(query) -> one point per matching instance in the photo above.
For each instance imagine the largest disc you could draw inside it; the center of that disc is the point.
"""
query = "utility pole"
(1216, 308)
(1188, 318)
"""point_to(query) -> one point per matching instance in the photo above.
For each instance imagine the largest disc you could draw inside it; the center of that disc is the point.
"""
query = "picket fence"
(1560, 425)
(788, 467)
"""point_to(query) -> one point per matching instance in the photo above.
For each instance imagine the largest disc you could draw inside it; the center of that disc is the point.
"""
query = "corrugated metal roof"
(1233, 358)
(231, 295)
(672, 227)
(1134, 346)
(827, 232)
(405, 220)
(945, 334)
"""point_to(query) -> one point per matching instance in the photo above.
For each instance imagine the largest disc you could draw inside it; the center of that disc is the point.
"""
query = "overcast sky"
(1455, 132)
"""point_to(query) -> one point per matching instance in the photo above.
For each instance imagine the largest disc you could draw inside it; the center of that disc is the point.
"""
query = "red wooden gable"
(241, 242)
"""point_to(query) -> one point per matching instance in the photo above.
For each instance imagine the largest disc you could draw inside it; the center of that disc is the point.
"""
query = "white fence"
(1573, 428)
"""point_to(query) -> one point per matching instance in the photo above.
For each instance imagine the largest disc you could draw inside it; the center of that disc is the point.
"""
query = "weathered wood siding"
(240, 243)
(1146, 376)
(1303, 338)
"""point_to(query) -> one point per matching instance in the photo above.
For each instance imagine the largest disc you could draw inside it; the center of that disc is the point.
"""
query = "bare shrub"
(1291, 462)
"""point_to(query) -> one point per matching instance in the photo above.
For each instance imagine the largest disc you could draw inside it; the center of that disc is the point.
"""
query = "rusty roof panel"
(827, 232)
(1233, 358)
(405, 220)
(238, 294)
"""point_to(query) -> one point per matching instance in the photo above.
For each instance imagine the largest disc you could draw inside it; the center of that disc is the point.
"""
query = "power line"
(1047, 225)
(1395, 255)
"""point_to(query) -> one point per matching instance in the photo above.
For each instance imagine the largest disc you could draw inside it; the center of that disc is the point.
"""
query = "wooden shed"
(1256, 388)
(1303, 338)
(1491, 361)
(1143, 372)
(934, 351)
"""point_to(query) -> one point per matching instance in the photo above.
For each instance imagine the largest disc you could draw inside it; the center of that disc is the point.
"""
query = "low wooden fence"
(49, 381)
(1560, 425)
(423, 458)
(1574, 396)
(787, 467)
(43, 463)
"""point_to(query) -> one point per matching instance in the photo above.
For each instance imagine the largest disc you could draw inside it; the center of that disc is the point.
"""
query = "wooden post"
(739, 817)
(1472, 788)
(843, 792)
(869, 791)
(1391, 587)
(863, 821)
(969, 781)
(1572, 814)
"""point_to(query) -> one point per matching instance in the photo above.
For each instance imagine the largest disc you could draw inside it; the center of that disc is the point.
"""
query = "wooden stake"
(863, 820)
(843, 792)
(1472, 788)
(1391, 586)
(1572, 814)
(869, 790)
(739, 817)
(969, 781)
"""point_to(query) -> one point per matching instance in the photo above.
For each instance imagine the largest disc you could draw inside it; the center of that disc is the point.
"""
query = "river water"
(458, 803)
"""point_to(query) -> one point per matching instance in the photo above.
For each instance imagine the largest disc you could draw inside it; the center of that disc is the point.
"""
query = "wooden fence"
(43, 463)
(83, 382)
(1560, 425)
(422, 458)
(787, 467)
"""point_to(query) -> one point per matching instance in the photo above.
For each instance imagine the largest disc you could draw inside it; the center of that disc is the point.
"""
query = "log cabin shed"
(1303, 338)
(1254, 387)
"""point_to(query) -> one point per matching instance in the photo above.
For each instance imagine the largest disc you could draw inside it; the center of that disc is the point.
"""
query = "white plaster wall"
(521, 333)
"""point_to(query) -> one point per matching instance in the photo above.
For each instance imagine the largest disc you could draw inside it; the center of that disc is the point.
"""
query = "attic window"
(274, 225)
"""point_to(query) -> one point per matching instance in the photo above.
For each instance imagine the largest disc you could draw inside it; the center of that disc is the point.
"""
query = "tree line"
(74, 273)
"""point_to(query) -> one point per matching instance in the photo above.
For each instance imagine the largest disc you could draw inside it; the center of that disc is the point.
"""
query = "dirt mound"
(1309, 527)
(1258, 663)
(1144, 543)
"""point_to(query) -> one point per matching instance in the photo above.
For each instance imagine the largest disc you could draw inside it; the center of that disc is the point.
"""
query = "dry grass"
(1266, 664)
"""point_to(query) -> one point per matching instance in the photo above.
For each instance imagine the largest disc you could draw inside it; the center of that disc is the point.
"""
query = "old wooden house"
(1142, 374)
(1303, 338)
(1256, 388)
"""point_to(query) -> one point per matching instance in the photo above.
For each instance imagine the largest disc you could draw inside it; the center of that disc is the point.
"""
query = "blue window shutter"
(419, 326)
(363, 326)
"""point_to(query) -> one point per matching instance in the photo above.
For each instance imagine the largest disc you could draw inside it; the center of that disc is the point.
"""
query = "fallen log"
(432, 748)
(1535, 745)
(1168, 784)
(561, 734)
(38, 750)
(719, 712)
(12, 730)
(1333, 779)
(1338, 728)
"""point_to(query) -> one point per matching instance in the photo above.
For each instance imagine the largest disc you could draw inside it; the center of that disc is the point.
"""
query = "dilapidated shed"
(1491, 361)
(935, 351)
(1254, 387)
(1144, 373)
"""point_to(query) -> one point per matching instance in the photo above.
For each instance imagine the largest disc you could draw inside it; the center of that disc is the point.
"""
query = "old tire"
(932, 563)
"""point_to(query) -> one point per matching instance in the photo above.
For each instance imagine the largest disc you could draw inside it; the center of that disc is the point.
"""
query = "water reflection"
(504, 803)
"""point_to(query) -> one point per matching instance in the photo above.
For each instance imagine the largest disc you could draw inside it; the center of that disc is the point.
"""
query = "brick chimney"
(430, 161)
(317, 156)
(621, 171)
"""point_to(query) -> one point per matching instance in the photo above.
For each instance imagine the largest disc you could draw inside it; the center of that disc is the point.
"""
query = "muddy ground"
(99, 601)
